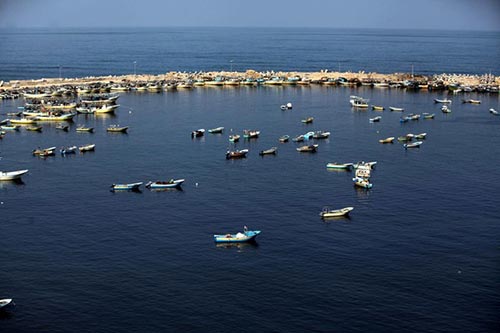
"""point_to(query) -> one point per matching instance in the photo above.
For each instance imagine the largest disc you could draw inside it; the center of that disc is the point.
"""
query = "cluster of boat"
(66, 150)
(153, 185)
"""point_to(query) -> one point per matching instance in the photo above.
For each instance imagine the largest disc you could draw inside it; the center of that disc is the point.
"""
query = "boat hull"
(247, 236)
(12, 175)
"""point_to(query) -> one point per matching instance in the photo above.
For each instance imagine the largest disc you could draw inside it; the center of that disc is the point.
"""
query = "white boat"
(89, 147)
(358, 102)
(68, 150)
(5, 302)
(415, 144)
(363, 163)
(172, 183)
(492, 111)
(105, 109)
(326, 212)
(446, 101)
(445, 109)
(395, 109)
(12, 175)
(36, 96)
(23, 121)
(62, 117)
(362, 176)
(376, 119)
(126, 187)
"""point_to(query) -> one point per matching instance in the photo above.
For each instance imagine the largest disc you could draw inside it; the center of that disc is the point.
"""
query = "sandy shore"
(446, 79)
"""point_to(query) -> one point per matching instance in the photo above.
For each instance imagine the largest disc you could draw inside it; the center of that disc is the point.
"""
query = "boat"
(234, 138)
(10, 127)
(405, 138)
(236, 153)
(100, 100)
(5, 302)
(172, 183)
(358, 102)
(83, 128)
(198, 133)
(375, 120)
(377, 108)
(445, 101)
(117, 129)
(445, 109)
(387, 140)
(88, 147)
(395, 109)
(326, 212)
(84, 110)
(471, 101)
(56, 117)
(321, 135)
(284, 138)
(126, 187)
(308, 135)
(492, 111)
(36, 95)
(105, 109)
(361, 182)
(62, 106)
(23, 121)
(362, 176)
(415, 144)
(420, 136)
(287, 106)
(44, 152)
(216, 130)
(240, 237)
(68, 150)
(62, 127)
(428, 115)
(339, 166)
(15, 114)
(404, 119)
(308, 149)
(270, 151)
(34, 128)
(361, 164)
(251, 134)
(299, 138)
(414, 117)
(308, 120)
(12, 175)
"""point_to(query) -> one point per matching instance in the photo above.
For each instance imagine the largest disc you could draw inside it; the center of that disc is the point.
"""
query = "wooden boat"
(83, 128)
(369, 165)
(105, 109)
(326, 212)
(387, 140)
(284, 138)
(375, 120)
(308, 120)
(12, 175)
(236, 154)
(117, 129)
(395, 109)
(270, 151)
(126, 187)
(428, 115)
(251, 134)
(34, 128)
(23, 121)
(362, 182)
(172, 183)
(88, 147)
(62, 106)
(299, 138)
(308, 149)
(339, 166)
(10, 127)
(54, 117)
(240, 237)
(84, 110)
(68, 150)
(44, 152)
(62, 127)
(36, 95)
(413, 144)
(216, 130)
(445, 109)
(421, 136)
(445, 101)
(377, 108)
(234, 138)
(492, 111)
(198, 133)
(5, 302)
(100, 100)
(471, 101)
(321, 135)
(358, 102)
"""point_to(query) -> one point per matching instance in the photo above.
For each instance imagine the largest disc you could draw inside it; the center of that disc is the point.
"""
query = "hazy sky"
(395, 14)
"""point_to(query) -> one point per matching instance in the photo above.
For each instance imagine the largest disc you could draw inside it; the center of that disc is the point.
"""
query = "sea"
(419, 252)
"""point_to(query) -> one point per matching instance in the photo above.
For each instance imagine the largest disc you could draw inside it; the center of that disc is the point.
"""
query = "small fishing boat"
(339, 166)
(377, 108)
(240, 237)
(321, 135)
(250, 134)
(405, 138)
(415, 144)
(198, 133)
(44, 152)
(12, 175)
(270, 151)
(172, 183)
(84, 110)
(369, 165)
(5, 302)
(284, 138)
(445, 101)
(83, 128)
(88, 147)
(471, 101)
(420, 136)
(308, 149)
(62, 127)
(327, 212)
(216, 130)
(375, 120)
(299, 138)
(445, 109)
(126, 187)
(236, 154)
(10, 127)
(117, 129)
(494, 112)
(234, 138)
(395, 109)
(287, 106)
(358, 102)
(68, 150)
(428, 115)
(404, 119)
(415, 117)
(308, 120)
(362, 182)
(34, 128)
(23, 121)
(105, 109)
(56, 117)
(387, 140)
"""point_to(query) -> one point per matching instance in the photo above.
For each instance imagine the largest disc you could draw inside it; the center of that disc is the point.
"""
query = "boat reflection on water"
(362, 193)
(173, 189)
(11, 183)
(240, 247)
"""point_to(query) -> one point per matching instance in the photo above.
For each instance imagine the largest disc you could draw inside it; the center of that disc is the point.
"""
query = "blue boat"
(240, 237)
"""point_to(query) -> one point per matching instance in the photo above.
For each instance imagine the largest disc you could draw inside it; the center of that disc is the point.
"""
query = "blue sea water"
(419, 253)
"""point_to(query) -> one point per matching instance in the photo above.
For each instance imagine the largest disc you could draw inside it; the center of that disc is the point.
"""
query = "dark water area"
(49, 53)
(419, 253)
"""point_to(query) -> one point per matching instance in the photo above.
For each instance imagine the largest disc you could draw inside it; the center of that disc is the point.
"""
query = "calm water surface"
(419, 253)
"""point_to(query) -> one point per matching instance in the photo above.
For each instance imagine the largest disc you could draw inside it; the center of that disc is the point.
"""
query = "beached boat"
(270, 151)
(415, 144)
(62, 127)
(68, 150)
(445, 109)
(420, 136)
(198, 133)
(87, 147)
(10, 127)
(387, 140)
(117, 129)
(12, 175)
(395, 109)
(428, 115)
(308, 149)
(4, 302)
(33, 128)
(234, 138)
(240, 237)
(251, 134)
(308, 120)
(236, 154)
(23, 121)
(327, 212)
(105, 109)
(216, 130)
(358, 102)
(298, 138)
(494, 112)
(321, 135)
(44, 152)
(83, 128)
(375, 120)
(172, 183)
(126, 187)
(339, 166)
(284, 138)
(445, 101)
(377, 108)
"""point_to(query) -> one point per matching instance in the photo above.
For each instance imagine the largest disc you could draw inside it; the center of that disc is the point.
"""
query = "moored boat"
(172, 183)
(444, 100)
(245, 236)
(284, 138)
(270, 151)
(387, 140)
(216, 130)
(327, 212)
(236, 154)
(56, 117)
(445, 109)
(492, 111)
(307, 120)
(83, 128)
(10, 127)
(339, 166)
(198, 133)
(23, 121)
(12, 175)
(415, 144)
(33, 128)
(117, 129)
(234, 138)
(420, 136)
(321, 135)
(298, 138)
(358, 102)
(428, 115)
(87, 147)
(375, 120)
(471, 101)
(251, 134)
(362, 182)
(396, 109)
(68, 150)
(44, 152)
(126, 187)
(377, 108)
(62, 127)
(5, 302)
(308, 149)
(105, 109)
